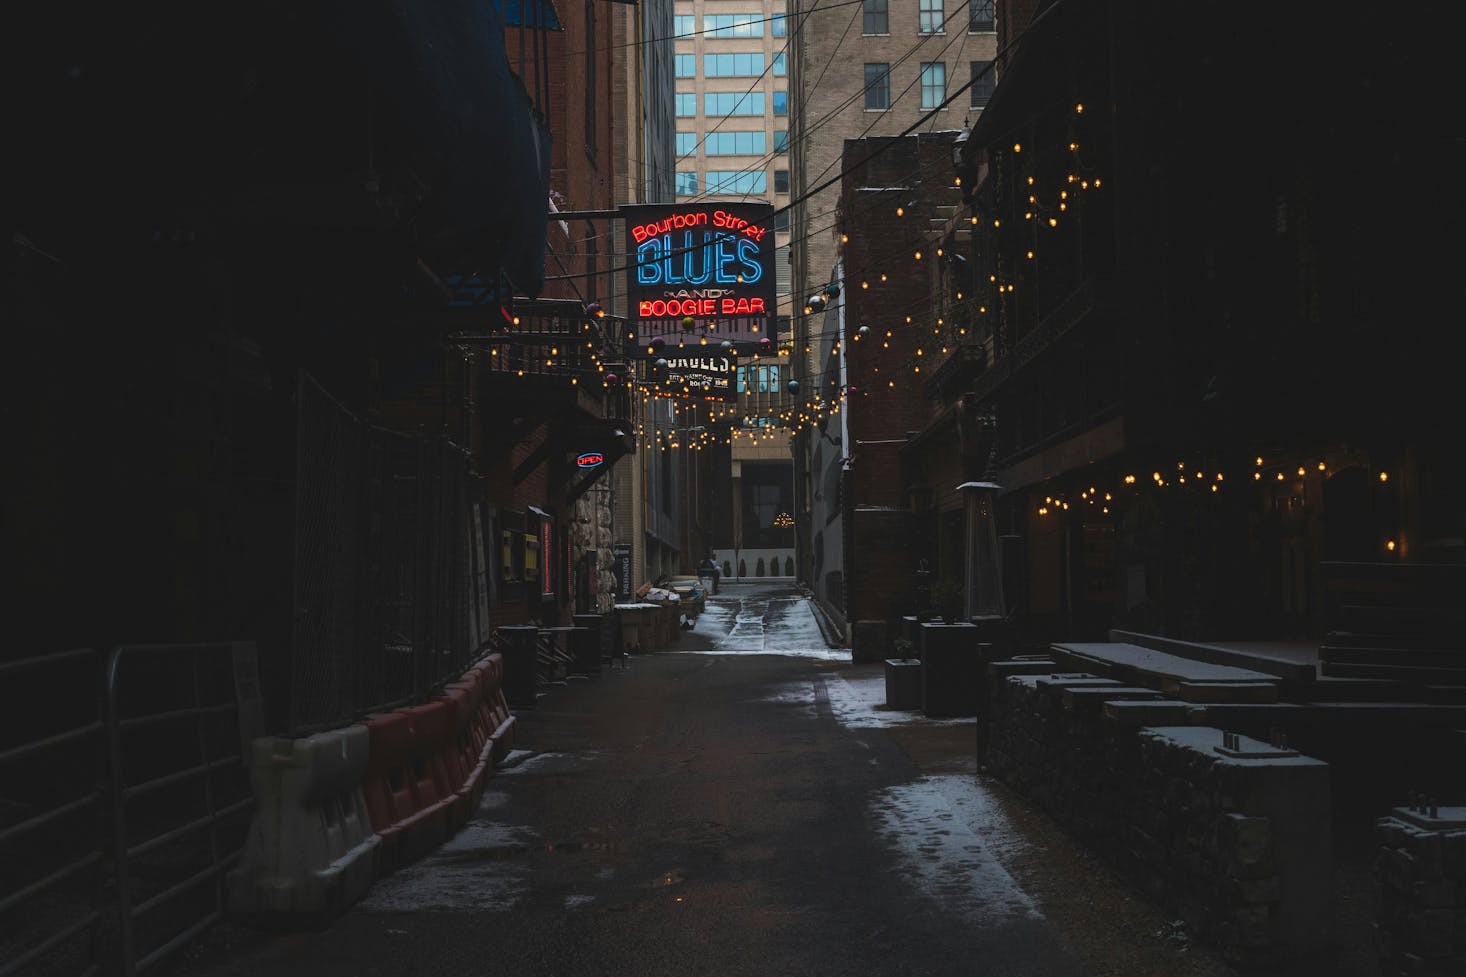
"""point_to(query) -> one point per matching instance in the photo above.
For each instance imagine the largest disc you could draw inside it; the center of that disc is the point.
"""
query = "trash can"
(950, 664)
(588, 643)
(903, 683)
(521, 664)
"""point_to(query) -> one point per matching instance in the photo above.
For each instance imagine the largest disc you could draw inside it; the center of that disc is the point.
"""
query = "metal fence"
(383, 577)
(124, 799)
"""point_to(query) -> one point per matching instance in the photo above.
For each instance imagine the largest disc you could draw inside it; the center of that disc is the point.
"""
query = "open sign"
(590, 459)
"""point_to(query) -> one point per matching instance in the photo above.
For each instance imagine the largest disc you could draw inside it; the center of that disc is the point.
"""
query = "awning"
(442, 65)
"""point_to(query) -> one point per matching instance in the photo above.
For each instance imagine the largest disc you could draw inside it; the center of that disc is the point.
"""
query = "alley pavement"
(743, 806)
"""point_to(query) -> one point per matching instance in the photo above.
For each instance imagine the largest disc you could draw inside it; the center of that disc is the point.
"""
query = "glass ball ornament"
(687, 323)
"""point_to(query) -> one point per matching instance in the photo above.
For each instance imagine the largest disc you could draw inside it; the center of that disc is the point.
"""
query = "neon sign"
(590, 459)
(712, 264)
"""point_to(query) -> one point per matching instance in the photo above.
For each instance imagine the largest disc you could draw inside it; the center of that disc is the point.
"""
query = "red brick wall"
(889, 402)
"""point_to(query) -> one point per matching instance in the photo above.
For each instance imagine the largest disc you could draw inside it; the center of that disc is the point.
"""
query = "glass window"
(781, 181)
(982, 83)
(686, 143)
(778, 27)
(686, 183)
(687, 103)
(733, 103)
(980, 17)
(736, 143)
(737, 181)
(684, 25)
(875, 18)
(878, 86)
(741, 65)
(781, 103)
(733, 25)
(781, 66)
(933, 84)
(781, 223)
(929, 17)
(686, 65)
(781, 141)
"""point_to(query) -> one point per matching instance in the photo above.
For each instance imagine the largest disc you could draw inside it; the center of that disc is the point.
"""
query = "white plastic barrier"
(310, 846)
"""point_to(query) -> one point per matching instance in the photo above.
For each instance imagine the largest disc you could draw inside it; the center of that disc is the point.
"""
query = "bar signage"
(711, 263)
(590, 459)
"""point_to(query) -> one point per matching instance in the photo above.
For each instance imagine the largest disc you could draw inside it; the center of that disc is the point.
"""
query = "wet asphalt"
(729, 809)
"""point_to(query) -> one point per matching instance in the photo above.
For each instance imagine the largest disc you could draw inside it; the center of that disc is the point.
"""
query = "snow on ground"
(949, 834)
(452, 877)
(764, 625)
(858, 699)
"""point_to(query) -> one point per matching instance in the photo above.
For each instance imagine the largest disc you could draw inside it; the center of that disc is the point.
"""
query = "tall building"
(862, 71)
(732, 112)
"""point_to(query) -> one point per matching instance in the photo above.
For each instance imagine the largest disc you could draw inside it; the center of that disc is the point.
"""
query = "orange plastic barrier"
(405, 785)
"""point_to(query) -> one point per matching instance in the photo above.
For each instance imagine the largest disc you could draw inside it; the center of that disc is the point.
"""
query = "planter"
(903, 683)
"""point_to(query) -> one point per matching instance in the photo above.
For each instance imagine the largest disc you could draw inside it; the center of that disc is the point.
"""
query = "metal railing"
(52, 807)
(181, 796)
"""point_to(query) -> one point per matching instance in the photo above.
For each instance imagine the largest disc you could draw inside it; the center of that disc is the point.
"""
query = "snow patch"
(948, 832)
(858, 700)
(465, 874)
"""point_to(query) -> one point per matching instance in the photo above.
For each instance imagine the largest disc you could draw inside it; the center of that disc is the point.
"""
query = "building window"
(781, 141)
(741, 65)
(929, 17)
(736, 143)
(781, 223)
(686, 183)
(686, 65)
(781, 103)
(878, 86)
(781, 65)
(684, 25)
(733, 25)
(783, 270)
(758, 379)
(781, 181)
(687, 103)
(686, 143)
(778, 26)
(875, 19)
(737, 181)
(982, 83)
(933, 84)
(980, 19)
(733, 103)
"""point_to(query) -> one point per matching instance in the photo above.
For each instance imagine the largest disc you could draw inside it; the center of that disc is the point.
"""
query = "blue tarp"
(442, 64)
(541, 14)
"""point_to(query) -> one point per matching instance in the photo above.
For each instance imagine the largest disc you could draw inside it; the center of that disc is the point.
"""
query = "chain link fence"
(383, 571)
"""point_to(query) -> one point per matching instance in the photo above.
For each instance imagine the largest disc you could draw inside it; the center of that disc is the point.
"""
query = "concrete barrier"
(310, 847)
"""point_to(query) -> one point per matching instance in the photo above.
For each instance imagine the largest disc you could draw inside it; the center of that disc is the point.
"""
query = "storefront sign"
(711, 262)
(706, 377)
(621, 553)
(591, 459)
